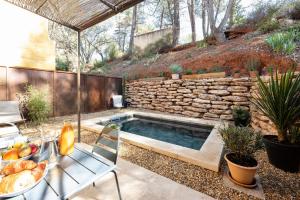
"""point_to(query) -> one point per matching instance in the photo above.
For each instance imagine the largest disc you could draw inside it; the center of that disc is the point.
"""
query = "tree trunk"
(133, 27)
(161, 18)
(204, 30)
(230, 24)
(176, 23)
(191, 9)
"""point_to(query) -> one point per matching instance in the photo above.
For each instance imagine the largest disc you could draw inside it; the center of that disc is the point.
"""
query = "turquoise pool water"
(186, 135)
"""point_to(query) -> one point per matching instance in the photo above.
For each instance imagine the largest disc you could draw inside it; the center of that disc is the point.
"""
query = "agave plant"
(279, 100)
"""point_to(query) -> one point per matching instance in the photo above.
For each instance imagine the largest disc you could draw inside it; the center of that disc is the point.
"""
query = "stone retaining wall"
(205, 98)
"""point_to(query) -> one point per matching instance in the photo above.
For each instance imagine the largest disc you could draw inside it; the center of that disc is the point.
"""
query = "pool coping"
(209, 155)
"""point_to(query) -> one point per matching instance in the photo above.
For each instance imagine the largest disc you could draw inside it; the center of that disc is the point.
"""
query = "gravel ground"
(277, 185)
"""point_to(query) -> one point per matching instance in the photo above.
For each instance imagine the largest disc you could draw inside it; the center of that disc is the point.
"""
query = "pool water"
(186, 135)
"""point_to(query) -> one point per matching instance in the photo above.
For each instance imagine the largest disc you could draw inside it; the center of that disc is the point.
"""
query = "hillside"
(233, 54)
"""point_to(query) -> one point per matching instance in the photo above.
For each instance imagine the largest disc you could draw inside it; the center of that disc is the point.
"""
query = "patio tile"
(139, 183)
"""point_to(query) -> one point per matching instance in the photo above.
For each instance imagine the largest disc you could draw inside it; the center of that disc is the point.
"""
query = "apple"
(34, 148)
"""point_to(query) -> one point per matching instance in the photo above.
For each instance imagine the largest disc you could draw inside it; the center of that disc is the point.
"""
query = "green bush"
(159, 46)
(112, 51)
(161, 74)
(201, 44)
(217, 69)
(99, 64)
(283, 42)
(253, 64)
(176, 69)
(201, 71)
(243, 141)
(36, 103)
(62, 65)
(188, 72)
(241, 117)
(269, 26)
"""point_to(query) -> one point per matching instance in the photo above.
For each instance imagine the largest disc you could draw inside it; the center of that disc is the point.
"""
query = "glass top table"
(69, 176)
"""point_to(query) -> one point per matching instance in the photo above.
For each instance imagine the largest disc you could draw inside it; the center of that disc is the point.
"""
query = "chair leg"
(118, 186)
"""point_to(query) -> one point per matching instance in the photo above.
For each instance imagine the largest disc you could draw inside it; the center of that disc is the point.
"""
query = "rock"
(216, 111)
(190, 95)
(198, 105)
(226, 117)
(221, 107)
(184, 91)
(209, 97)
(243, 107)
(218, 87)
(191, 114)
(187, 100)
(197, 100)
(246, 103)
(199, 110)
(210, 115)
(202, 87)
(179, 108)
(221, 102)
(219, 92)
(235, 98)
(241, 94)
(199, 91)
(237, 89)
(182, 103)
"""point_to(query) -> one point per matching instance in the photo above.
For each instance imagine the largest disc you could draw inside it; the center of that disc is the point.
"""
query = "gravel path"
(276, 183)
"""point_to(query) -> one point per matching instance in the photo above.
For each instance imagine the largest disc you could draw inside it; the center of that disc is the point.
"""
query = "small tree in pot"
(279, 100)
(241, 117)
(176, 70)
(242, 143)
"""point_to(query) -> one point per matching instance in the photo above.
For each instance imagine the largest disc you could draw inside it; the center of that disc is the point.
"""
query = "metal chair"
(107, 145)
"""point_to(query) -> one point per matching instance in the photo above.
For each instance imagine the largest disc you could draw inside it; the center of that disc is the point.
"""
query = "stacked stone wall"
(204, 98)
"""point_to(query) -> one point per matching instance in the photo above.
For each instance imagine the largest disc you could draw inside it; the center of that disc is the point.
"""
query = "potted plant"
(176, 70)
(236, 73)
(241, 117)
(242, 143)
(279, 100)
(253, 65)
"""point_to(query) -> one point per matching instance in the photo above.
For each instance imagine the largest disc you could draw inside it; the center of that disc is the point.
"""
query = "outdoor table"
(72, 174)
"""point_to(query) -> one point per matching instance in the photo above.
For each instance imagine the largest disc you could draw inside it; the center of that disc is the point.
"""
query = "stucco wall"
(24, 39)
(143, 40)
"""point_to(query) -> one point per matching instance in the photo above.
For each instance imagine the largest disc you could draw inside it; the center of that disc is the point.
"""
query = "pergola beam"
(108, 4)
(40, 6)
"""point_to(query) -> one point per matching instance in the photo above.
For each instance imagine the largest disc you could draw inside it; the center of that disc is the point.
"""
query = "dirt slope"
(233, 54)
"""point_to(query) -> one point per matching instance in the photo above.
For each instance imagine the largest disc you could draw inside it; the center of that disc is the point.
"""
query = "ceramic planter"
(241, 174)
(175, 76)
(282, 156)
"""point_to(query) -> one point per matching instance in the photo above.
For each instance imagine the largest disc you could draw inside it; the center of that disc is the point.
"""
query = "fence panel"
(96, 91)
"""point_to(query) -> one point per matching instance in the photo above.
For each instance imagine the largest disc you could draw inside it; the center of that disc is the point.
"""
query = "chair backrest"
(107, 143)
(10, 112)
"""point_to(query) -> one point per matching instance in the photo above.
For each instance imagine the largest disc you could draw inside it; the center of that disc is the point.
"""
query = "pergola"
(77, 15)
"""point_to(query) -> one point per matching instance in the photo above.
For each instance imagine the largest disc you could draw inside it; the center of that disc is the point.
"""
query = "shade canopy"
(75, 14)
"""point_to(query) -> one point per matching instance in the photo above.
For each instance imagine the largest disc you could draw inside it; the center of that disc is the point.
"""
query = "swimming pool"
(187, 135)
(193, 140)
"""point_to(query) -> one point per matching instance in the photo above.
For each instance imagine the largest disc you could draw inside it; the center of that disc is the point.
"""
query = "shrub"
(202, 44)
(269, 26)
(159, 46)
(294, 135)
(35, 102)
(243, 141)
(188, 72)
(176, 69)
(99, 64)
(253, 64)
(241, 117)
(201, 71)
(112, 51)
(62, 65)
(161, 74)
(217, 69)
(279, 100)
(282, 42)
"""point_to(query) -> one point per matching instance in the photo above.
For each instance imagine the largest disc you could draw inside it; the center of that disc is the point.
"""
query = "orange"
(11, 154)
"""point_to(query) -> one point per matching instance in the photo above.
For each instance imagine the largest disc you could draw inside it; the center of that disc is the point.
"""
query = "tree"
(191, 10)
(132, 32)
(176, 23)
(212, 14)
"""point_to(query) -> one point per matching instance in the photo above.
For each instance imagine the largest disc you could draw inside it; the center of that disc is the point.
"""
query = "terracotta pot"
(241, 174)
(175, 76)
(253, 74)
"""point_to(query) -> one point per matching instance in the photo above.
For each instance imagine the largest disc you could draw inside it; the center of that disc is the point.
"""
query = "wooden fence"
(96, 91)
